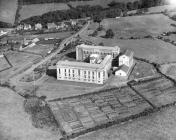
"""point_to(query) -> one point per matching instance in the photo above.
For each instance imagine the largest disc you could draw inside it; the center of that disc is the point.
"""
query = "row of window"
(86, 74)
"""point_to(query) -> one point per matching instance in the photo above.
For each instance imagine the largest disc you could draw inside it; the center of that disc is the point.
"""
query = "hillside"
(103, 3)
(8, 10)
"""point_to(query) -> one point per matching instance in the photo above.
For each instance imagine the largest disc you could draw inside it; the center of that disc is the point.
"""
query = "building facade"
(126, 58)
(84, 51)
(84, 72)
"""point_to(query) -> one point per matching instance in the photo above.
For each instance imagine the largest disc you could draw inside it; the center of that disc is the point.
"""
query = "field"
(153, 50)
(158, 9)
(15, 123)
(158, 126)
(41, 49)
(139, 26)
(103, 3)
(8, 10)
(169, 70)
(142, 70)
(38, 9)
(3, 64)
(87, 111)
(53, 88)
(19, 62)
(159, 91)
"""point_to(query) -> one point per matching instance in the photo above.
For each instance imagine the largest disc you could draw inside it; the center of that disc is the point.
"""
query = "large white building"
(83, 51)
(84, 72)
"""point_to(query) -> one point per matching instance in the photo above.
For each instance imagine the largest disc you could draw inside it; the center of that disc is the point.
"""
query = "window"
(98, 74)
(59, 71)
(93, 75)
(78, 72)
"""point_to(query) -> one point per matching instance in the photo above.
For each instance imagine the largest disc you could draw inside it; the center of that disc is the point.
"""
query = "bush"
(109, 33)
(40, 112)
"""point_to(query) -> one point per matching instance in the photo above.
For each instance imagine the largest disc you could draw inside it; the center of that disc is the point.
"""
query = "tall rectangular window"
(79, 73)
(98, 74)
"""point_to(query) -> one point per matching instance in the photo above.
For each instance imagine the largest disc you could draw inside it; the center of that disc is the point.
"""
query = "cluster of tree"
(97, 12)
(5, 25)
(109, 34)
(40, 112)
(28, 2)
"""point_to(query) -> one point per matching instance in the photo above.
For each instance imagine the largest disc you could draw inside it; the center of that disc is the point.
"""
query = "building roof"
(98, 47)
(124, 68)
(51, 25)
(128, 53)
(85, 65)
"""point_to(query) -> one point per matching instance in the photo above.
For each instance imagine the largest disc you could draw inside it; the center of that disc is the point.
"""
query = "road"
(16, 78)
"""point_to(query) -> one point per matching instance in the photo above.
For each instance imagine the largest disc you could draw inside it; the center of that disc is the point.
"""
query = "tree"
(98, 19)
(109, 33)
(101, 44)
(136, 5)
(129, 6)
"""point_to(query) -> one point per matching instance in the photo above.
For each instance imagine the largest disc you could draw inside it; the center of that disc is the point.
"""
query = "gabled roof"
(124, 68)
(51, 25)
(128, 53)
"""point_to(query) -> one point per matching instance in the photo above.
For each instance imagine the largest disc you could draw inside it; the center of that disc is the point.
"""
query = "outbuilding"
(123, 71)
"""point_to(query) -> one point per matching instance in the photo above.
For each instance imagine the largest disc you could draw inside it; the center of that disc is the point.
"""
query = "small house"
(123, 71)
(27, 27)
(51, 26)
(38, 26)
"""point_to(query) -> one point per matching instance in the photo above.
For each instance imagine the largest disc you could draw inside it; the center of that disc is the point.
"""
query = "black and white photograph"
(87, 69)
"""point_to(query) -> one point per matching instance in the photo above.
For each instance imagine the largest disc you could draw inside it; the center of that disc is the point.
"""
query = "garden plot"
(159, 91)
(80, 113)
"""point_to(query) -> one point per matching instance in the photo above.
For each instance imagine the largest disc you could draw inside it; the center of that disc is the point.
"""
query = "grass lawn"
(39, 9)
(103, 3)
(8, 10)
(40, 49)
(154, 50)
(15, 123)
(139, 26)
(142, 70)
(19, 61)
(53, 88)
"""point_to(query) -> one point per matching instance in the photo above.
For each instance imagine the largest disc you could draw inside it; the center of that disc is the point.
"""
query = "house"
(27, 27)
(123, 71)
(38, 26)
(51, 26)
(1, 55)
(61, 25)
(126, 58)
(73, 22)
(20, 27)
